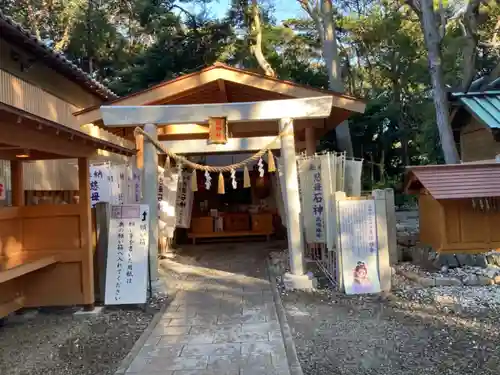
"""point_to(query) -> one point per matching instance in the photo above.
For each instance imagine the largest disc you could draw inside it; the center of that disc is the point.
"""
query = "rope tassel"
(220, 188)
(271, 166)
(246, 178)
(194, 181)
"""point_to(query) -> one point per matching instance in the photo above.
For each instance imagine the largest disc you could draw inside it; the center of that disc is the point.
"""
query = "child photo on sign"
(361, 282)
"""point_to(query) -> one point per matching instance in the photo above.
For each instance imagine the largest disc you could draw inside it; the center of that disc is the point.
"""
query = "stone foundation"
(299, 282)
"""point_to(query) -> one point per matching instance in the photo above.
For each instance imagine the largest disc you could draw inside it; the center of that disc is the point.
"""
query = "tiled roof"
(483, 105)
(9, 29)
(456, 181)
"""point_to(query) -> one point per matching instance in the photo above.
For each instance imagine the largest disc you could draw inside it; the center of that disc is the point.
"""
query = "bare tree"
(434, 27)
(321, 12)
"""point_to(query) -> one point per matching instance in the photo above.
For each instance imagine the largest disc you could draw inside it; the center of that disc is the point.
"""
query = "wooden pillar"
(86, 232)
(17, 183)
(139, 145)
(150, 197)
(310, 141)
(292, 201)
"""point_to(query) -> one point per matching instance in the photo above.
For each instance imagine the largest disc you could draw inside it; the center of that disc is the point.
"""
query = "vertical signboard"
(127, 261)
(100, 187)
(184, 201)
(358, 242)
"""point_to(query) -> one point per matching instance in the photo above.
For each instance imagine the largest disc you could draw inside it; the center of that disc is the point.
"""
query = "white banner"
(184, 201)
(127, 260)
(329, 182)
(167, 197)
(358, 241)
(353, 170)
(100, 188)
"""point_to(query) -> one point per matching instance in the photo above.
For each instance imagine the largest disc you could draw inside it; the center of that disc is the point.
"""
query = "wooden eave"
(47, 139)
(199, 87)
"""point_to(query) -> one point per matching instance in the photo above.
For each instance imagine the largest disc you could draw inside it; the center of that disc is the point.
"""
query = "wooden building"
(459, 206)
(476, 122)
(46, 252)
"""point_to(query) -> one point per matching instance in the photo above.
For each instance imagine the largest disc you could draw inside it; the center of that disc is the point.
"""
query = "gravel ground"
(404, 333)
(55, 342)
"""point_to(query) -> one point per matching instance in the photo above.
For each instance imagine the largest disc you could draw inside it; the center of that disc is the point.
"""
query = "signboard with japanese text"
(119, 184)
(312, 200)
(217, 130)
(359, 246)
(134, 185)
(127, 260)
(184, 201)
(3, 190)
(100, 184)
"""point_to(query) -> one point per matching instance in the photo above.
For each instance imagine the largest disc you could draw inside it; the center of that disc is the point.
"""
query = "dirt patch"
(337, 334)
(55, 342)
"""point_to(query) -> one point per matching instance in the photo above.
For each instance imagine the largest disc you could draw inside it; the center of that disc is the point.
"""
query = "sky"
(284, 9)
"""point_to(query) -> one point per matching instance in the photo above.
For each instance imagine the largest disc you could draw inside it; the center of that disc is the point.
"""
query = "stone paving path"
(222, 320)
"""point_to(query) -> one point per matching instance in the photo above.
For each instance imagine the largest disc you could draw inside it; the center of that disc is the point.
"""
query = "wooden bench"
(12, 269)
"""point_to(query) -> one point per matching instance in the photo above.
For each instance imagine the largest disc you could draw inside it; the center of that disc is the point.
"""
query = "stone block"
(497, 280)
(448, 281)
(481, 261)
(299, 282)
(427, 282)
(465, 260)
(449, 260)
(86, 313)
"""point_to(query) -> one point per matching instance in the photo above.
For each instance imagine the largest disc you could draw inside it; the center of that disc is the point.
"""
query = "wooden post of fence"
(391, 226)
(102, 216)
(384, 266)
(338, 196)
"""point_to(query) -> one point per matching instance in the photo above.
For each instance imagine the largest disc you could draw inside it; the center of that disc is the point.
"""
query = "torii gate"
(284, 111)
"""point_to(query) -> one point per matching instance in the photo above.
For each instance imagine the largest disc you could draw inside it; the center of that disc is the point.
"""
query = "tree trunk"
(256, 40)
(322, 15)
(433, 41)
(332, 61)
(381, 166)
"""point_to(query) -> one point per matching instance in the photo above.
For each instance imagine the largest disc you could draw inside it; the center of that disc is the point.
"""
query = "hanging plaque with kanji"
(217, 130)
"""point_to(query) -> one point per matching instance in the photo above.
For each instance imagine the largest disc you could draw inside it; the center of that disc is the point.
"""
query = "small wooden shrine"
(459, 206)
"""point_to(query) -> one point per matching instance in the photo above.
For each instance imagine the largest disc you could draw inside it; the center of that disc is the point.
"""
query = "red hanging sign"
(217, 133)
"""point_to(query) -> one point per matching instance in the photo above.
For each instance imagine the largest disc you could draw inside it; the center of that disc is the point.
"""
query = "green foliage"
(133, 44)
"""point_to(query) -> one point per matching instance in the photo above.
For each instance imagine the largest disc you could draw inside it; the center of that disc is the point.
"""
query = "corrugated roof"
(484, 105)
(456, 181)
(23, 37)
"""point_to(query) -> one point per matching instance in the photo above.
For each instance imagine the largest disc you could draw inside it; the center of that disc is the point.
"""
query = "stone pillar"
(310, 141)
(296, 279)
(150, 197)
(384, 265)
